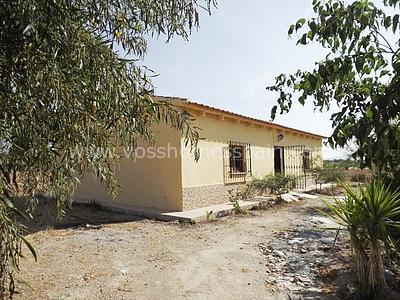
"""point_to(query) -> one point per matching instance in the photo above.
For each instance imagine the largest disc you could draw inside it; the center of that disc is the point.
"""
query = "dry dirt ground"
(270, 254)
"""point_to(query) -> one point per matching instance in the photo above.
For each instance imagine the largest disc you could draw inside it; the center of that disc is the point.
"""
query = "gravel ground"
(273, 254)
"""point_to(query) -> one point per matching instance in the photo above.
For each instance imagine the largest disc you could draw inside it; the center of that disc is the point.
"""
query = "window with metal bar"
(237, 162)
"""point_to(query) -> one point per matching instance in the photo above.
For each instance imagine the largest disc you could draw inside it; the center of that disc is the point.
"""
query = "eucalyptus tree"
(71, 86)
(360, 75)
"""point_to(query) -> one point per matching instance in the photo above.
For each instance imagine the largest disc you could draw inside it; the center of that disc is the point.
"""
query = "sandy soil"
(143, 259)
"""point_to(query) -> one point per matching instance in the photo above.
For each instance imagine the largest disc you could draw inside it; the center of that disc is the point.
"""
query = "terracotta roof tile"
(200, 106)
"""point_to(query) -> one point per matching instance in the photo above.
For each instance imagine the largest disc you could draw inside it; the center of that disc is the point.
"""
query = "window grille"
(306, 159)
(237, 162)
(297, 163)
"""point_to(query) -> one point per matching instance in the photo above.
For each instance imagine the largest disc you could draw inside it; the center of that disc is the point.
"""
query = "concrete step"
(215, 211)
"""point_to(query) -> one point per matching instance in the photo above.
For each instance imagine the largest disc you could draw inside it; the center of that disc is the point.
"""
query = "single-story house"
(233, 149)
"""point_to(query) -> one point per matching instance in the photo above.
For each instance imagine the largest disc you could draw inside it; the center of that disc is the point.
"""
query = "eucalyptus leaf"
(70, 103)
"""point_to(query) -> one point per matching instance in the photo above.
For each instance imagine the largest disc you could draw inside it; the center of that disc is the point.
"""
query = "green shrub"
(234, 198)
(273, 184)
(259, 185)
(343, 164)
(209, 215)
(333, 175)
(278, 184)
(326, 175)
(292, 181)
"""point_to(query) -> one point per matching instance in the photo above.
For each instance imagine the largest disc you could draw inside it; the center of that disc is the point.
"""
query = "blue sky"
(234, 55)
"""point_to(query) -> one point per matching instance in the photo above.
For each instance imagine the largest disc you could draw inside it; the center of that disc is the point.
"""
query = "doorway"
(279, 160)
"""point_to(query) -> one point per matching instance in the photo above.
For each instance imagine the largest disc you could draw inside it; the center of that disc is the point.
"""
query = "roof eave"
(184, 102)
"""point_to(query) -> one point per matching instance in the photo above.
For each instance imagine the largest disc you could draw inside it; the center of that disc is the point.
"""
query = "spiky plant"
(369, 214)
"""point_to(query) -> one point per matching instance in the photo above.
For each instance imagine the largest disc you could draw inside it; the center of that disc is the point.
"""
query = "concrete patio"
(215, 211)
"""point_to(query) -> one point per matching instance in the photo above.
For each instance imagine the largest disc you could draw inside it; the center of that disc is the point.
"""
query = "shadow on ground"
(80, 215)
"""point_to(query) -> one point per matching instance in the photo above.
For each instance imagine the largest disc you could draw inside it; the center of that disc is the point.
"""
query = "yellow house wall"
(146, 182)
(170, 183)
(219, 132)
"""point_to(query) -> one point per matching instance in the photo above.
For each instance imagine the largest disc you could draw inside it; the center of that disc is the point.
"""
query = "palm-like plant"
(369, 214)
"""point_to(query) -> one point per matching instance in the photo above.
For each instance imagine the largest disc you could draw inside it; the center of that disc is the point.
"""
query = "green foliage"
(10, 247)
(259, 185)
(323, 175)
(341, 163)
(234, 198)
(11, 233)
(348, 169)
(369, 214)
(360, 75)
(277, 183)
(273, 184)
(209, 215)
(70, 102)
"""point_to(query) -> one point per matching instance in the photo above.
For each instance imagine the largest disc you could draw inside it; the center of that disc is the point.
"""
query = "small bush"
(234, 200)
(258, 185)
(326, 175)
(278, 183)
(273, 184)
(209, 215)
(343, 164)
